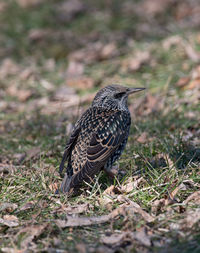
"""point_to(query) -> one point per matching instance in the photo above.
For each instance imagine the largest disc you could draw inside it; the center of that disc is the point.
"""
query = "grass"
(166, 159)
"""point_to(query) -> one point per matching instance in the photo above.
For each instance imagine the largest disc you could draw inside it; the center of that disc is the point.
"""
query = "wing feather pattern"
(103, 144)
(69, 147)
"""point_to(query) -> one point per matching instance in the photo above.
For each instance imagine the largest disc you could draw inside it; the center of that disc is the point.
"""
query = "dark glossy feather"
(97, 141)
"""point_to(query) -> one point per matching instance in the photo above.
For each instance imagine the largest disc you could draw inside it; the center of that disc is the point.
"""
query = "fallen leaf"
(32, 153)
(8, 67)
(108, 51)
(3, 6)
(5, 168)
(75, 69)
(81, 83)
(29, 3)
(183, 81)
(9, 221)
(191, 52)
(31, 232)
(12, 250)
(39, 34)
(22, 95)
(137, 60)
(154, 7)
(135, 208)
(94, 52)
(132, 183)
(192, 217)
(53, 187)
(172, 41)
(75, 209)
(28, 205)
(194, 197)
(143, 138)
(65, 93)
(81, 248)
(112, 191)
(193, 84)
(149, 104)
(108, 196)
(118, 239)
(67, 10)
(82, 221)
(114, 239)
(8, 207)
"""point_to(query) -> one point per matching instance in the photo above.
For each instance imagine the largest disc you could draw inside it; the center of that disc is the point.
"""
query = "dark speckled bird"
(98, 138)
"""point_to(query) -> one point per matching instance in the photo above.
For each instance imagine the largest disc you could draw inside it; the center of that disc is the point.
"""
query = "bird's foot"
(113, 171)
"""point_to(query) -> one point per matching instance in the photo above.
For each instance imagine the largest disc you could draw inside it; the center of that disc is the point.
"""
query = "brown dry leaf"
(28, 205)
(112, 191)
(9, 220)
(193, 84)
(183, 10)
(53, 187)
(138, 60)
(172, 41)
(114, 239)
(122, 210)
(76, 209)
(108, 51)
(12, 250)
(5, 168)
(32, 153)
(81, 83)
(82, 221)
(88, 221)
(154, 7)
(157, 206)
(162, 160)
(132, 183)
(143, 138)
(67, 10)
(8, 207)
(135, 208)
(118, 239)
(8, 67)
(64, 93)
(3, 6)
(94, 52)
(75, 69)
(81, 248)
(29, 3)
(163, 203)
(191, 52)
(192, 217)
(194, 197)
(183, 81)
(22, 95)
(108, 196)
(39, 34)
(31, 232)
(149, 104)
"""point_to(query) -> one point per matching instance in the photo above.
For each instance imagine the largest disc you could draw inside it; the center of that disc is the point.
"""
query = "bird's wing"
(69, 146)
(104, 142)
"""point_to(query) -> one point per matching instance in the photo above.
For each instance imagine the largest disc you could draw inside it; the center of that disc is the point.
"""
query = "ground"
(54, 56)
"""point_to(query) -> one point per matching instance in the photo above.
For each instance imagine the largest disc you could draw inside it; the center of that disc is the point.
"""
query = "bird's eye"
(119, 95)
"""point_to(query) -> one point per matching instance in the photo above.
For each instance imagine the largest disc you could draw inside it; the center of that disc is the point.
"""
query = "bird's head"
(114, 97)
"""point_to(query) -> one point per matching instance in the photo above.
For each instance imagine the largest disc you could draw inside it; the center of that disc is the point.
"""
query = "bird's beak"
(133, 90)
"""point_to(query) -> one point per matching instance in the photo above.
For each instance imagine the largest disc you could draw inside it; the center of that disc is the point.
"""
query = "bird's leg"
(113, 171)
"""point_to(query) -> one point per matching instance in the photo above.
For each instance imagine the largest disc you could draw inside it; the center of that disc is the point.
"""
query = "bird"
(98, 137)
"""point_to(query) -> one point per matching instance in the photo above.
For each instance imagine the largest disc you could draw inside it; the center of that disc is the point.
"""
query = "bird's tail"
(62, 164)
(65, 186)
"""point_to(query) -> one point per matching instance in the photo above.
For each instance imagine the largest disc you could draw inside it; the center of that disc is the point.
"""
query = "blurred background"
(54, 56)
